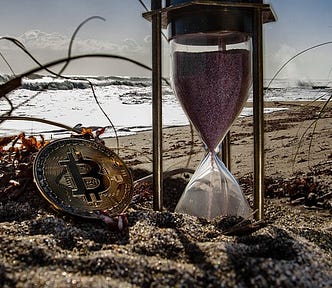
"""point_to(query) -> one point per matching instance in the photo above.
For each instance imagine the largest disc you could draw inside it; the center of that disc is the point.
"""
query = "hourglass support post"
(258, 119)
(226, 151)
(157, 108)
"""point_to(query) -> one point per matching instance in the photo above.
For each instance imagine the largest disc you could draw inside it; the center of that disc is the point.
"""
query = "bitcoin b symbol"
(84, 177)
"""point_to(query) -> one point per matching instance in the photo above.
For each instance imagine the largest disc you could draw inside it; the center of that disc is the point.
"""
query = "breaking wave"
(39, 83)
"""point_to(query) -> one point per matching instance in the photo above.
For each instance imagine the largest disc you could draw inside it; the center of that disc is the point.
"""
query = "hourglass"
(211, 71)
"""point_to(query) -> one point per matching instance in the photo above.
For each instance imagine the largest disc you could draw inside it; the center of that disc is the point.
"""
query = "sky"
(46, 26)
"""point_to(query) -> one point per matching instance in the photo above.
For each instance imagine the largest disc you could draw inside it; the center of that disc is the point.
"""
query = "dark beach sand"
(292, 248)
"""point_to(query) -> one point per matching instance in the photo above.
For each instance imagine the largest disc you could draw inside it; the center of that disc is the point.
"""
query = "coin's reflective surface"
(82, 177)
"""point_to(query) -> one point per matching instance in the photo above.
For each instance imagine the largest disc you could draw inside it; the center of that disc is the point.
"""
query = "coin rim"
(57, 206)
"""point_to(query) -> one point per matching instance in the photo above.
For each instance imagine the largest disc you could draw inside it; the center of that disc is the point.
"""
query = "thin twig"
(307, 129)
(323, 108)
(146, 9)
(5, 60)
(105, 114)
(26, 51)
(73, 38)
(293, 57)
(45, 121)
(16, 82)
(144, 6)
(315, 126)
(21, 46)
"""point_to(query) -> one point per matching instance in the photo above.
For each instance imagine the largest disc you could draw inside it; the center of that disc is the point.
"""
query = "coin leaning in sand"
(82, 177)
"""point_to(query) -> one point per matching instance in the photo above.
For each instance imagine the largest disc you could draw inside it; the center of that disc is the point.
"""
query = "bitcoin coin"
(82, 177)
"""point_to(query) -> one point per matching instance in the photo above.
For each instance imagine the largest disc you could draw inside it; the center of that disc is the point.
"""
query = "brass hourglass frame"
(160, 18)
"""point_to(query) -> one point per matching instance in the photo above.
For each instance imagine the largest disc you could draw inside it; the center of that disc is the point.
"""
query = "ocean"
(125, 100)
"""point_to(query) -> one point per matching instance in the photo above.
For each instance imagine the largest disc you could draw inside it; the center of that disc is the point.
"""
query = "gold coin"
(82, 177)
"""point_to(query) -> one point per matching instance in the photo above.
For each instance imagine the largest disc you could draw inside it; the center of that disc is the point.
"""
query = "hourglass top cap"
(175, 2)
(205, 16)
(175, 10)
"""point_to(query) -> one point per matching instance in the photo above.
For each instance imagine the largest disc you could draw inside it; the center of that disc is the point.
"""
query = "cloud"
(50, 46)
(39, 40)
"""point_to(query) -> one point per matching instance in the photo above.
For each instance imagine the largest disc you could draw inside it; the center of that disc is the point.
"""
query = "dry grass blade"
(313, 125)
(73, 38)
(45, 121)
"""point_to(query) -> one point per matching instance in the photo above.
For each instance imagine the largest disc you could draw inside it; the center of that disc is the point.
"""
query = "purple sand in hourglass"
(212, 88)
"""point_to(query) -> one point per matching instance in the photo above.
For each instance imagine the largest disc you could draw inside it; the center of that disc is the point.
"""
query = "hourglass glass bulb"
(213, 191)
(212, 82)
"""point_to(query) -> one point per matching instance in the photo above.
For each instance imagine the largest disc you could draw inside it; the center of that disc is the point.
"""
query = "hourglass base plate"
(213, 191)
